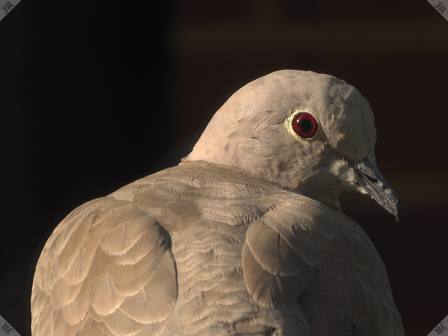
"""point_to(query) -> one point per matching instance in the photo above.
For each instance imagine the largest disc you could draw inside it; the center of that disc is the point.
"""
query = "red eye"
(305, 125)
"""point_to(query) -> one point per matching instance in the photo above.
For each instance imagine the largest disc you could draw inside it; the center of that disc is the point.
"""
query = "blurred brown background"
(95, 95)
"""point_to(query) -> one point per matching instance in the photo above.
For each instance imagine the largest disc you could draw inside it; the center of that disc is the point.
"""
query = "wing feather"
(106, 269)
(304, 253)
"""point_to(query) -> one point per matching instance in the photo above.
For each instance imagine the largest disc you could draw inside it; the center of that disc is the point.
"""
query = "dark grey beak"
(372, 182)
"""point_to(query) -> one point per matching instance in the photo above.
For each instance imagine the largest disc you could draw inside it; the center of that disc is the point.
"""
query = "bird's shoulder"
(200, 192)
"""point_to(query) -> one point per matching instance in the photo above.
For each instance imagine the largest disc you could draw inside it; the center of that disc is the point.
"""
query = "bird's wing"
(275, 274)
(107, 269)
(304, 253)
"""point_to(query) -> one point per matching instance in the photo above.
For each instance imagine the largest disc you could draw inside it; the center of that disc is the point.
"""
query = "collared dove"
(244, 237)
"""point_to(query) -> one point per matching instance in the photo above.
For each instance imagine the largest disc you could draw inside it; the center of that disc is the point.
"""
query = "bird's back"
(201, 249)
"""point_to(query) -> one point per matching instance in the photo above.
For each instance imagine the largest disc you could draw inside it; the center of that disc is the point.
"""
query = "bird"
(244, 236)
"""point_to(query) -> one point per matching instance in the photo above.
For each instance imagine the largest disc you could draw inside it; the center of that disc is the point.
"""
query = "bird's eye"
(305, 125)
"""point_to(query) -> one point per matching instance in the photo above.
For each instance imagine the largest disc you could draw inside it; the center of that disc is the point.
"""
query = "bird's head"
(311, 133)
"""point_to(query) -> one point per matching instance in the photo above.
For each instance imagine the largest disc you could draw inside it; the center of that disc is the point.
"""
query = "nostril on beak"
(371, 179)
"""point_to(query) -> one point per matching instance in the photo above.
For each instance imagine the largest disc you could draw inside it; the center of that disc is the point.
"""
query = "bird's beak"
(371, 181)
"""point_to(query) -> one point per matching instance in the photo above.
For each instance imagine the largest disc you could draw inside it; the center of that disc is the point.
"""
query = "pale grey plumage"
(245, 237)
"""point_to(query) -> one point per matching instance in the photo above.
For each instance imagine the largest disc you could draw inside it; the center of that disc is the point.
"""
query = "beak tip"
(390, 207)
(396, 216)
(391, 203)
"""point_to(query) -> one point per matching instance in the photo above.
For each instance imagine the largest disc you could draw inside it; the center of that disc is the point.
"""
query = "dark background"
(96, 94)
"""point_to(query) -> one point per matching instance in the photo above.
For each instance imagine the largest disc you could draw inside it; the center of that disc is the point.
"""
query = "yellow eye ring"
(302, 124)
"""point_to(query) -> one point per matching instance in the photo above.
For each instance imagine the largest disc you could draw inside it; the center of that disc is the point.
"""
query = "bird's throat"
(328, 196)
